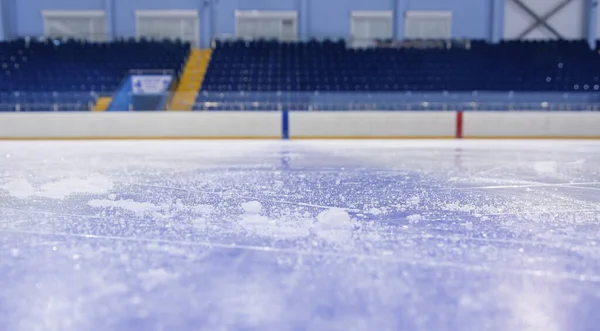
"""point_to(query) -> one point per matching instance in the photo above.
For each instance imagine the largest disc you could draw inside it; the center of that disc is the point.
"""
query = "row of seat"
(335, 66)
(70, 72)
(54, 73)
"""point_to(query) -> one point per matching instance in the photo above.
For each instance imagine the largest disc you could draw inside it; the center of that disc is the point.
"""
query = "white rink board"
(300, 124)
(372, 124)
(141, 125)
(542, 124)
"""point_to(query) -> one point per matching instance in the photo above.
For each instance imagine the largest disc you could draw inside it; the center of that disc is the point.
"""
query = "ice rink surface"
(300, 235)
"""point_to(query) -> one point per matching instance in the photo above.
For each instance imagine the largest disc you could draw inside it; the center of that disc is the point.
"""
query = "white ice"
(315, 235)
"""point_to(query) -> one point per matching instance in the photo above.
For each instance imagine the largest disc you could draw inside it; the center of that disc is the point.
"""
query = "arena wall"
(540, 124)
(140, 125)
(300, 125)
(372, 124)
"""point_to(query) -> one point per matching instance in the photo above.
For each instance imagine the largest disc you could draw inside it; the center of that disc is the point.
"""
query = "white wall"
(141, 125)
(531, 124)
(326, 125)
(372, 124)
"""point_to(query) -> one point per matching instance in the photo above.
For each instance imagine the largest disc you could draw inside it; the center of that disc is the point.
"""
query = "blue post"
(285, 124)
(592, 22)
(302, 6)
(497, 31)
(110, 19)
(2, 23)
(396, 19)
(399, 9)
(207, 19)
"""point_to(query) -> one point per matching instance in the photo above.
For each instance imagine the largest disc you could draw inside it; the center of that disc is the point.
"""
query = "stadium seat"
(70, 75)
(300, 74)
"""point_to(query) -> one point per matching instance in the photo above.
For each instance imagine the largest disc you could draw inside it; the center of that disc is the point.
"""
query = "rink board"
(302, 125)
(141, 125)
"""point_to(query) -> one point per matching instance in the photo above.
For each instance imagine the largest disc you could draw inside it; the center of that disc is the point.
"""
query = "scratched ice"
(410, 235)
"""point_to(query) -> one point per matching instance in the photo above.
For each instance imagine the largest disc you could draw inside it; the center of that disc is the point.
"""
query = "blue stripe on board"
(285, 125)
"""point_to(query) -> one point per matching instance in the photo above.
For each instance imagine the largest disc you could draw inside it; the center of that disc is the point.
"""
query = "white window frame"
(282, 14)
(169, 13)
(447, 14)
(50, 14)
(368, 14)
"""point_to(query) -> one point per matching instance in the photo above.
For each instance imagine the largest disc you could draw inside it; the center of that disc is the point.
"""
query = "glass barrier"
(303, 101)
(395, 106)
(45, 107)
(48, 100)
(209, 100)
(399, 96)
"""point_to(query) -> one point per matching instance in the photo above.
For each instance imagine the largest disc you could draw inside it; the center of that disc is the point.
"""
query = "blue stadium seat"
(299, 72)
(70, 75)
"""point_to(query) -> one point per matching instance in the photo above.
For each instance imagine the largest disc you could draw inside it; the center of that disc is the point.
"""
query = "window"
(181, 25)
(366, 26)
(84, 25)
(280, 25)
(428, 25)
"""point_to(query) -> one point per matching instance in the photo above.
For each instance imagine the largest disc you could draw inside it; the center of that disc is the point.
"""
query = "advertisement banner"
(150, 84)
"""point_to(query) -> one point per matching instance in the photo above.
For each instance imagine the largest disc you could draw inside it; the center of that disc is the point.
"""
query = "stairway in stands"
(102, 103)
(191, 79)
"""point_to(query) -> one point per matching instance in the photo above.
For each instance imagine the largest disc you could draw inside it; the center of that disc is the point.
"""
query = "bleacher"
(70, 75)
(331, 75)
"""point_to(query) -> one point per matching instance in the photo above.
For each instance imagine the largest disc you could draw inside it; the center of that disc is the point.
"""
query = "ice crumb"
(545, 167)
(15, 252)
(252, 207)
(255, 222)
(334, 225)
(334, 218)
(19, 188)
(138, 208)
(414, 201)
(282, 229)
(468, 225)
(112, 196)
(416, 218)
(94, 184)
(375, 211)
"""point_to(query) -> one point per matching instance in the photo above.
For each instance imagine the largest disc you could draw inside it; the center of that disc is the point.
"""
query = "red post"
(459, 124)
